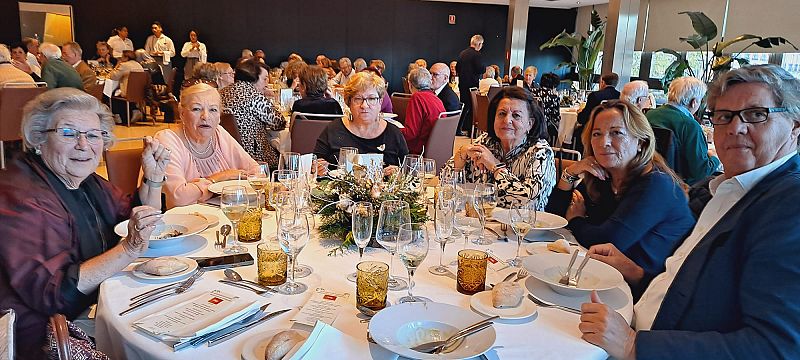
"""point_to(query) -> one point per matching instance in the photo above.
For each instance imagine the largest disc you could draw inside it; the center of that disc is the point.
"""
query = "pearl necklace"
(201, 154)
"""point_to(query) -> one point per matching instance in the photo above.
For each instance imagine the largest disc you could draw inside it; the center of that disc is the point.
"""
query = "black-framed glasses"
(371, 101)
(93, 136)
(752, 115)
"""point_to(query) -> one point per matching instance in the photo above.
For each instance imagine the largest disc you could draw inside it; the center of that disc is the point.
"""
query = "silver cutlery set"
(568, 280)
(162, 292)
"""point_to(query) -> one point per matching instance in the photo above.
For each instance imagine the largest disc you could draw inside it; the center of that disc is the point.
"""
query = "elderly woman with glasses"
(224, 74)
(362, 127)
(628, 197)
(203, 152)
(57, 215)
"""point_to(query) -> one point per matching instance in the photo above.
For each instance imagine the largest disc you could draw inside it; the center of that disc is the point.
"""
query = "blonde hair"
(361, 82)
(196, 89)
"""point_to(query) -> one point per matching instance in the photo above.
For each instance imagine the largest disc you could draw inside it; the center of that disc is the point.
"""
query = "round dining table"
(548, 334)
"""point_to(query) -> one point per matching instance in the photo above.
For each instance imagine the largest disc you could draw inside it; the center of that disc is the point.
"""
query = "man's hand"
(607, 329)
(609, 254)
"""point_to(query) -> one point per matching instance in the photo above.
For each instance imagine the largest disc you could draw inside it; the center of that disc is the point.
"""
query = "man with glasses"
(694, 162)
(440, 78)
(730, 289)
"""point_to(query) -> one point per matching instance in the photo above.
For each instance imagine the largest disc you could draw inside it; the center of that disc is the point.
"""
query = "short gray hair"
(37, 116)
(475, 39)
(50, 51)
(5, 53)
(785, 88)
(420, 78)
(634, 90)
(685, 89)
(360, 64)
(490, 72)
(75, 47)
(346, 60)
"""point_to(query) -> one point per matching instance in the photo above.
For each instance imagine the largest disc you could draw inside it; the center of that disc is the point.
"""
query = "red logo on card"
(329, 297)
(492, 260)
(215, 300)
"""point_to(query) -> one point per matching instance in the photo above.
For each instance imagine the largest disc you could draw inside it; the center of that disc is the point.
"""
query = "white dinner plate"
(388, 115)
(541, 248)
(544, 220)
(402, 326)
(482, 303)
(185, 224)
(189, 246)
(549, 267)
(543, 236)
(212, 219)
(256, 346)
(218, 186)
(172, 277)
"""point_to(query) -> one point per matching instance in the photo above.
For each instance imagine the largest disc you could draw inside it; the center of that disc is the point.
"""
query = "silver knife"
(222, 337)
(167, 287)
(197, 341)
(178, 290)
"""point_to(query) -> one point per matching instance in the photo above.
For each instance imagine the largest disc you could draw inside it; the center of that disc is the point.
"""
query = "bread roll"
(559, 246)
(163, 266)
(507, 294)
(281, 343)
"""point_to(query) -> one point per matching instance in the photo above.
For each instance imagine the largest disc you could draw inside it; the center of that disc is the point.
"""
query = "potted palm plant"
(584, 49)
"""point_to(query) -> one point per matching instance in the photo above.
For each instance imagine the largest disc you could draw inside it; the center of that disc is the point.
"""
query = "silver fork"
(565, 279)
(231, 283)
(521, 274)
(541, 303)
(218, 243)
(573, 281)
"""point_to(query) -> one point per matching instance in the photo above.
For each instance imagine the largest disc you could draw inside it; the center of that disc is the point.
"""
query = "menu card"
(203, 314)
(323, 306)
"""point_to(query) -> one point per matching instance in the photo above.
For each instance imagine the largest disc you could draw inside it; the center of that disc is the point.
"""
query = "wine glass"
(523, 218)
(393, 213)
(234, 202)
(259, 180)
(293, 234)
(362, 221)
(479, 206)
(310, 174)
(444, 209)
(429, 170)
(346, 158)
(412, 245)
(289, 161)
(412, 161)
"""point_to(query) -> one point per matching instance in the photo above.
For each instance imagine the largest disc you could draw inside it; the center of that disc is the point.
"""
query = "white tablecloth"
(569, 118)
(550, 334)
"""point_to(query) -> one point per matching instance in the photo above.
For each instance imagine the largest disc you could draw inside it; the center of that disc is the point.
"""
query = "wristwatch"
(566, 176)
(153, 184)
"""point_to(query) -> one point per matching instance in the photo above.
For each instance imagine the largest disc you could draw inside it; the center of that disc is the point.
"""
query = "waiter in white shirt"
(161, 48)
(120, 42)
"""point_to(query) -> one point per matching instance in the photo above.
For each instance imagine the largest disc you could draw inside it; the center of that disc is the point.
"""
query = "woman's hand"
(390, 170)
(588, 165)
(22, 66)
(607, 329)
(230, 174)
(577, 207)
(481, 157)
(609, 254)
(155, 159)
(322, 167)
(141, 225)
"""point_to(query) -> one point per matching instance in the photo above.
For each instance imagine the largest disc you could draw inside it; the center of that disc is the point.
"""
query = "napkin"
(286, 97)
(305, 163)
(325, 340)
(167, 54)
(369, 160)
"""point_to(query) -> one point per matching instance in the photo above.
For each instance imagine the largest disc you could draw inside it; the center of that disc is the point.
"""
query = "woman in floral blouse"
(513, 154)
(254, 113)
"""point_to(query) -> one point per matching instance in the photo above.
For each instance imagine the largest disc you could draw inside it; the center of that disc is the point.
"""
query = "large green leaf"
(720, 46)
(673, 71)
(768, 42)
(721, 63)
(696, 40)
(563, 64)
(702, 24)
(596, 20)
(562, 39)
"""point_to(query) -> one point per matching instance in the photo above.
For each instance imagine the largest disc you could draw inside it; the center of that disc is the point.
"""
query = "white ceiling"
(559, 4)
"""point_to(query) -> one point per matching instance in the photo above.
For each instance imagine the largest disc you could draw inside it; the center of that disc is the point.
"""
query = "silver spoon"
(225, 231)
(235, 277)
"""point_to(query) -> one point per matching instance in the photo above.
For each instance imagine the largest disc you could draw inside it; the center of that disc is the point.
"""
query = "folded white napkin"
(305, 163)
(326, 340)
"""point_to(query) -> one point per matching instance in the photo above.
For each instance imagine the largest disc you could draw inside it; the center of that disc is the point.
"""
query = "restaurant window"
(636, 63)
(791, 62)
(752, 59)
(598, 64)
(698, 61)
(659, 64)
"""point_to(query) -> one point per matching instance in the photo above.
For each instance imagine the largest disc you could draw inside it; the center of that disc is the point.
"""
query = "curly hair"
(37, 116)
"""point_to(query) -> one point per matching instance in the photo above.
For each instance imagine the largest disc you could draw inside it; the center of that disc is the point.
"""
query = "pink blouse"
(186, 175)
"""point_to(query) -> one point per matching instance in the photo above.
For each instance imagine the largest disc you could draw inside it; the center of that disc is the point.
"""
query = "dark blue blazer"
(737, 295)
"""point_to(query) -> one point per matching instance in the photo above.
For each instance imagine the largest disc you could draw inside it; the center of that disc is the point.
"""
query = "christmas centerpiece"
(335, 197)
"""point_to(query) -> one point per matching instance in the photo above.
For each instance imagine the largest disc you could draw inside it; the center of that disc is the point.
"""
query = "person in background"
(71, 53)
(487, 81)
(127, 64)
(454, 74)
(225, 75)
(440, 75)
(421, 63)
(722, 294)
(294, 57)
(104, 57)
(549, 99)
(292, 73)
(359, 64)
(255, 114)
(57, 215)
(362, 128)
(195, 53)
(469, 68)
(637, 93)
(378, 64)
(694, 162)
(529, 79)
(515, 75)
(629, 196)
(345, 72)
(57, 73)
(423, 111)
(34, 57)
(202, 72)
(120, 42)
(513, 154)
(149, 64)
(9, 73)
(203, 152)
(260, 55)
(325, 63)
(246, 55)
(160, 47)
(497, 73)
(607, 91)
(313, 85)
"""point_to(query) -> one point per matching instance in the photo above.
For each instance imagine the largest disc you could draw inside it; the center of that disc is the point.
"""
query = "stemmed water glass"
(293, 234)
(444, 208)
(393, 213)
(523, 218)
(259, 180)
(429, 169)
(362, 221)
(479, 205)
(234, 202)
(289, 161)
(412, 245)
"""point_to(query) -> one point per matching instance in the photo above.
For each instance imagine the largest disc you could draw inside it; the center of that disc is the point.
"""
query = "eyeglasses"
(438, 74)
(750, 115)
(370, 100)
(93, 136)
